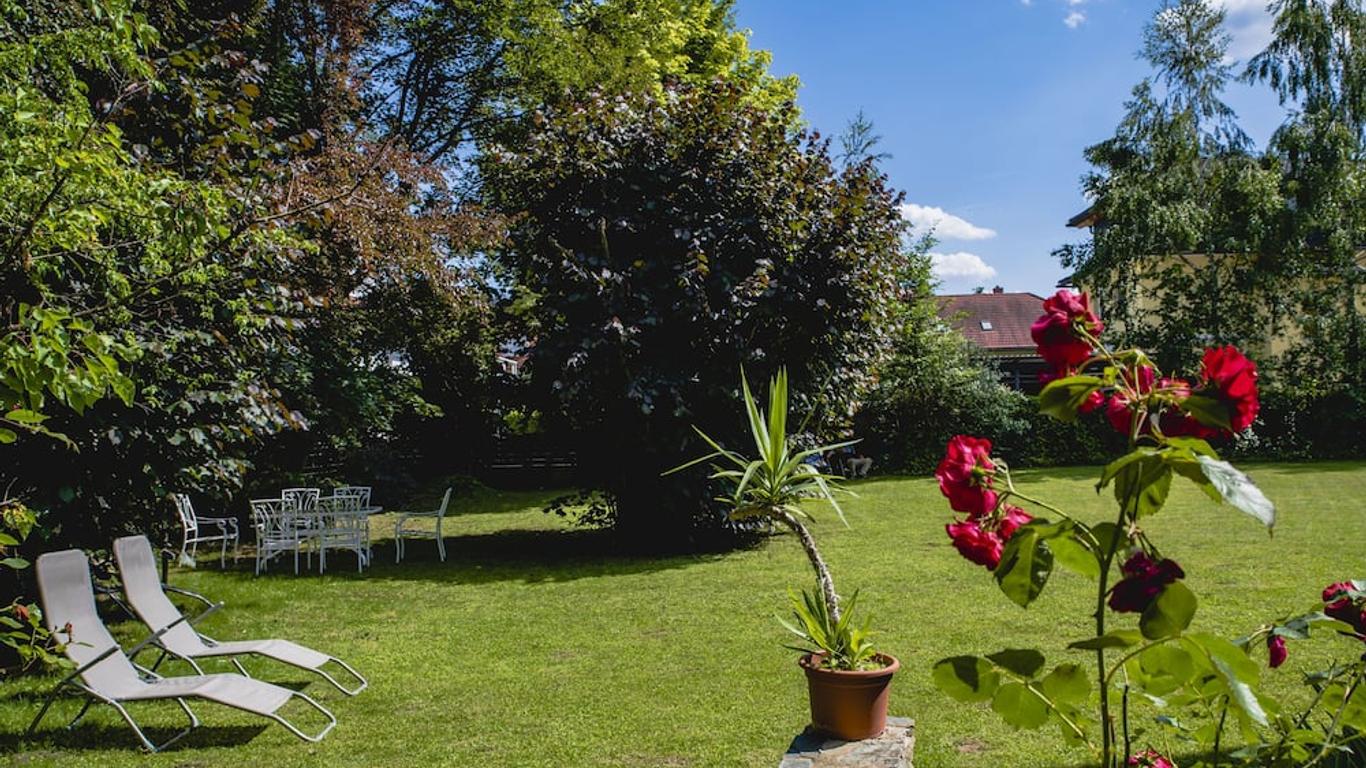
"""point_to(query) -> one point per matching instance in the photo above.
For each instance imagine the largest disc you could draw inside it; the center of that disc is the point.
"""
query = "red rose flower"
(1011, 520)
(978, 545)
(1150, 759)
(1341, 590)
(1144, 579)
(1121, 405)
(21, 611)
(1339, 605)
(1276, 653)
(1229, 376)
(1058, 331)
(1178, 423)
(965, 476)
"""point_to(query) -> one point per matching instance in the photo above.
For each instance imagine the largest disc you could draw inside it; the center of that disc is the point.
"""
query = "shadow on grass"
(100, 736)
(526, 556)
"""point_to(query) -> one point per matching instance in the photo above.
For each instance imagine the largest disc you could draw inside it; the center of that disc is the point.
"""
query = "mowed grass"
(532, 646)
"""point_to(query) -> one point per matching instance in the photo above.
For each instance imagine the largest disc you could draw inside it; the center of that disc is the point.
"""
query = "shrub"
(662, 242)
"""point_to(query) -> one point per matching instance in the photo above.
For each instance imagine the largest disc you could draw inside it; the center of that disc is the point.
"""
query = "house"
(999, 322)
(511, 363)
(1141, 290)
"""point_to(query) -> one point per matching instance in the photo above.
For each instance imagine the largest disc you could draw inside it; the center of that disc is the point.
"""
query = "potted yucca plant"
(847, 678)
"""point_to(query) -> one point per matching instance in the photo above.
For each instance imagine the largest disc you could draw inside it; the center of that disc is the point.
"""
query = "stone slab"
(895, 748)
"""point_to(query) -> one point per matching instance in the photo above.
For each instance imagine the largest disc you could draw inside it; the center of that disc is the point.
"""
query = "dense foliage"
(1228, 244)
(243, 240)
(662, 241)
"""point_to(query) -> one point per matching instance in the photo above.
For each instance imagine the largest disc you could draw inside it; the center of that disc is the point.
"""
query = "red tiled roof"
(1008, 316)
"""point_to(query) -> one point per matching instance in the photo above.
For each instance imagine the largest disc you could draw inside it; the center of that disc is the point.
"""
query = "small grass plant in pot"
(848, 680)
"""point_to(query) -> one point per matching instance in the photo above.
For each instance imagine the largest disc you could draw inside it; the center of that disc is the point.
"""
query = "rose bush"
(1194, 691)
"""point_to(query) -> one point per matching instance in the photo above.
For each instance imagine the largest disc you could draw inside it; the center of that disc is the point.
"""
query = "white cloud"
(1075, 2)
(960, 265)
(1074, 19)
(946, 226)
(1249, 25)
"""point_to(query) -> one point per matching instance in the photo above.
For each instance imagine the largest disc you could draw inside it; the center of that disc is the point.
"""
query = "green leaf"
(1062, 398)
(967, 678)
(1109, 536)
(7, 436)
(1066, 684)
(1122, 638)
(1142, 486)
(1020, 706)
(1233, 668)
(1184, 463)
(25, 416)
(1170, 614)
(1238, 489)
(1025, 566)
(1208, 411)
(1115, 467)
(1070, 546)
(1025, 662)
(1075, 555)
(17, 563)
(1161, 669)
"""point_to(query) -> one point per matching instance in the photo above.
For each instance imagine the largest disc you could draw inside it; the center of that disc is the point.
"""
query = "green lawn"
(533, 647)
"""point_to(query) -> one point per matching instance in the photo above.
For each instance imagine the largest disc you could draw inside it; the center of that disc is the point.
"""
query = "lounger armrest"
(206, 601)
(152, 638)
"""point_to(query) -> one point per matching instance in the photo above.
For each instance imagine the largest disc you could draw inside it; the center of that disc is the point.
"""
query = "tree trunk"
(827, 584)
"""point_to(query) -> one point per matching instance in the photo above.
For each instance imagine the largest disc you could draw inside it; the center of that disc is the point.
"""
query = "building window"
(986, 325)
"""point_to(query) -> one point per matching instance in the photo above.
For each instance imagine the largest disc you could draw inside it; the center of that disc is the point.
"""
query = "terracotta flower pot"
(849, 705)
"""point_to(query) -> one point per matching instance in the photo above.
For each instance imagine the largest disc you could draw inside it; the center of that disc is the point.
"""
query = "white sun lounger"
(105, 674)
(144, 592)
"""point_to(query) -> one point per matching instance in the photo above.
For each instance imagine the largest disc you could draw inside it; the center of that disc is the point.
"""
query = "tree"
(858, 142)
(1316, 63)
(662, 242)
(1186, 44)
(1184, 209)
(122, 276)
(1263, 251)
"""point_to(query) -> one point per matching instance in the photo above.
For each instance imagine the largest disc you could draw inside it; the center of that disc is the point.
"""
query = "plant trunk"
(827, 584)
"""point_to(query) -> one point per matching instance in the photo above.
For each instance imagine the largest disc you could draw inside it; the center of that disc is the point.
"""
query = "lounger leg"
(240, 668)
(350, 671)
(146, 742)
(440, 542)
(86, 708)
(47, 704)
(331, 721)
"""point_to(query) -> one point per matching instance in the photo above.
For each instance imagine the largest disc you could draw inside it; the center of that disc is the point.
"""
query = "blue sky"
(985, 106)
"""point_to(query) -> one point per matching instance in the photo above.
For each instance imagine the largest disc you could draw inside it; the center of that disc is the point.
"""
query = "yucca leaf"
(756, 418)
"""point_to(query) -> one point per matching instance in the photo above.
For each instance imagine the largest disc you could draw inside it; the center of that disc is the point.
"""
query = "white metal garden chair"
(193, 534)
(147, 598)
(404, 528)
(108, 676)
(301, 499)
(276, 532)
(342, 525)
(361, 494)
